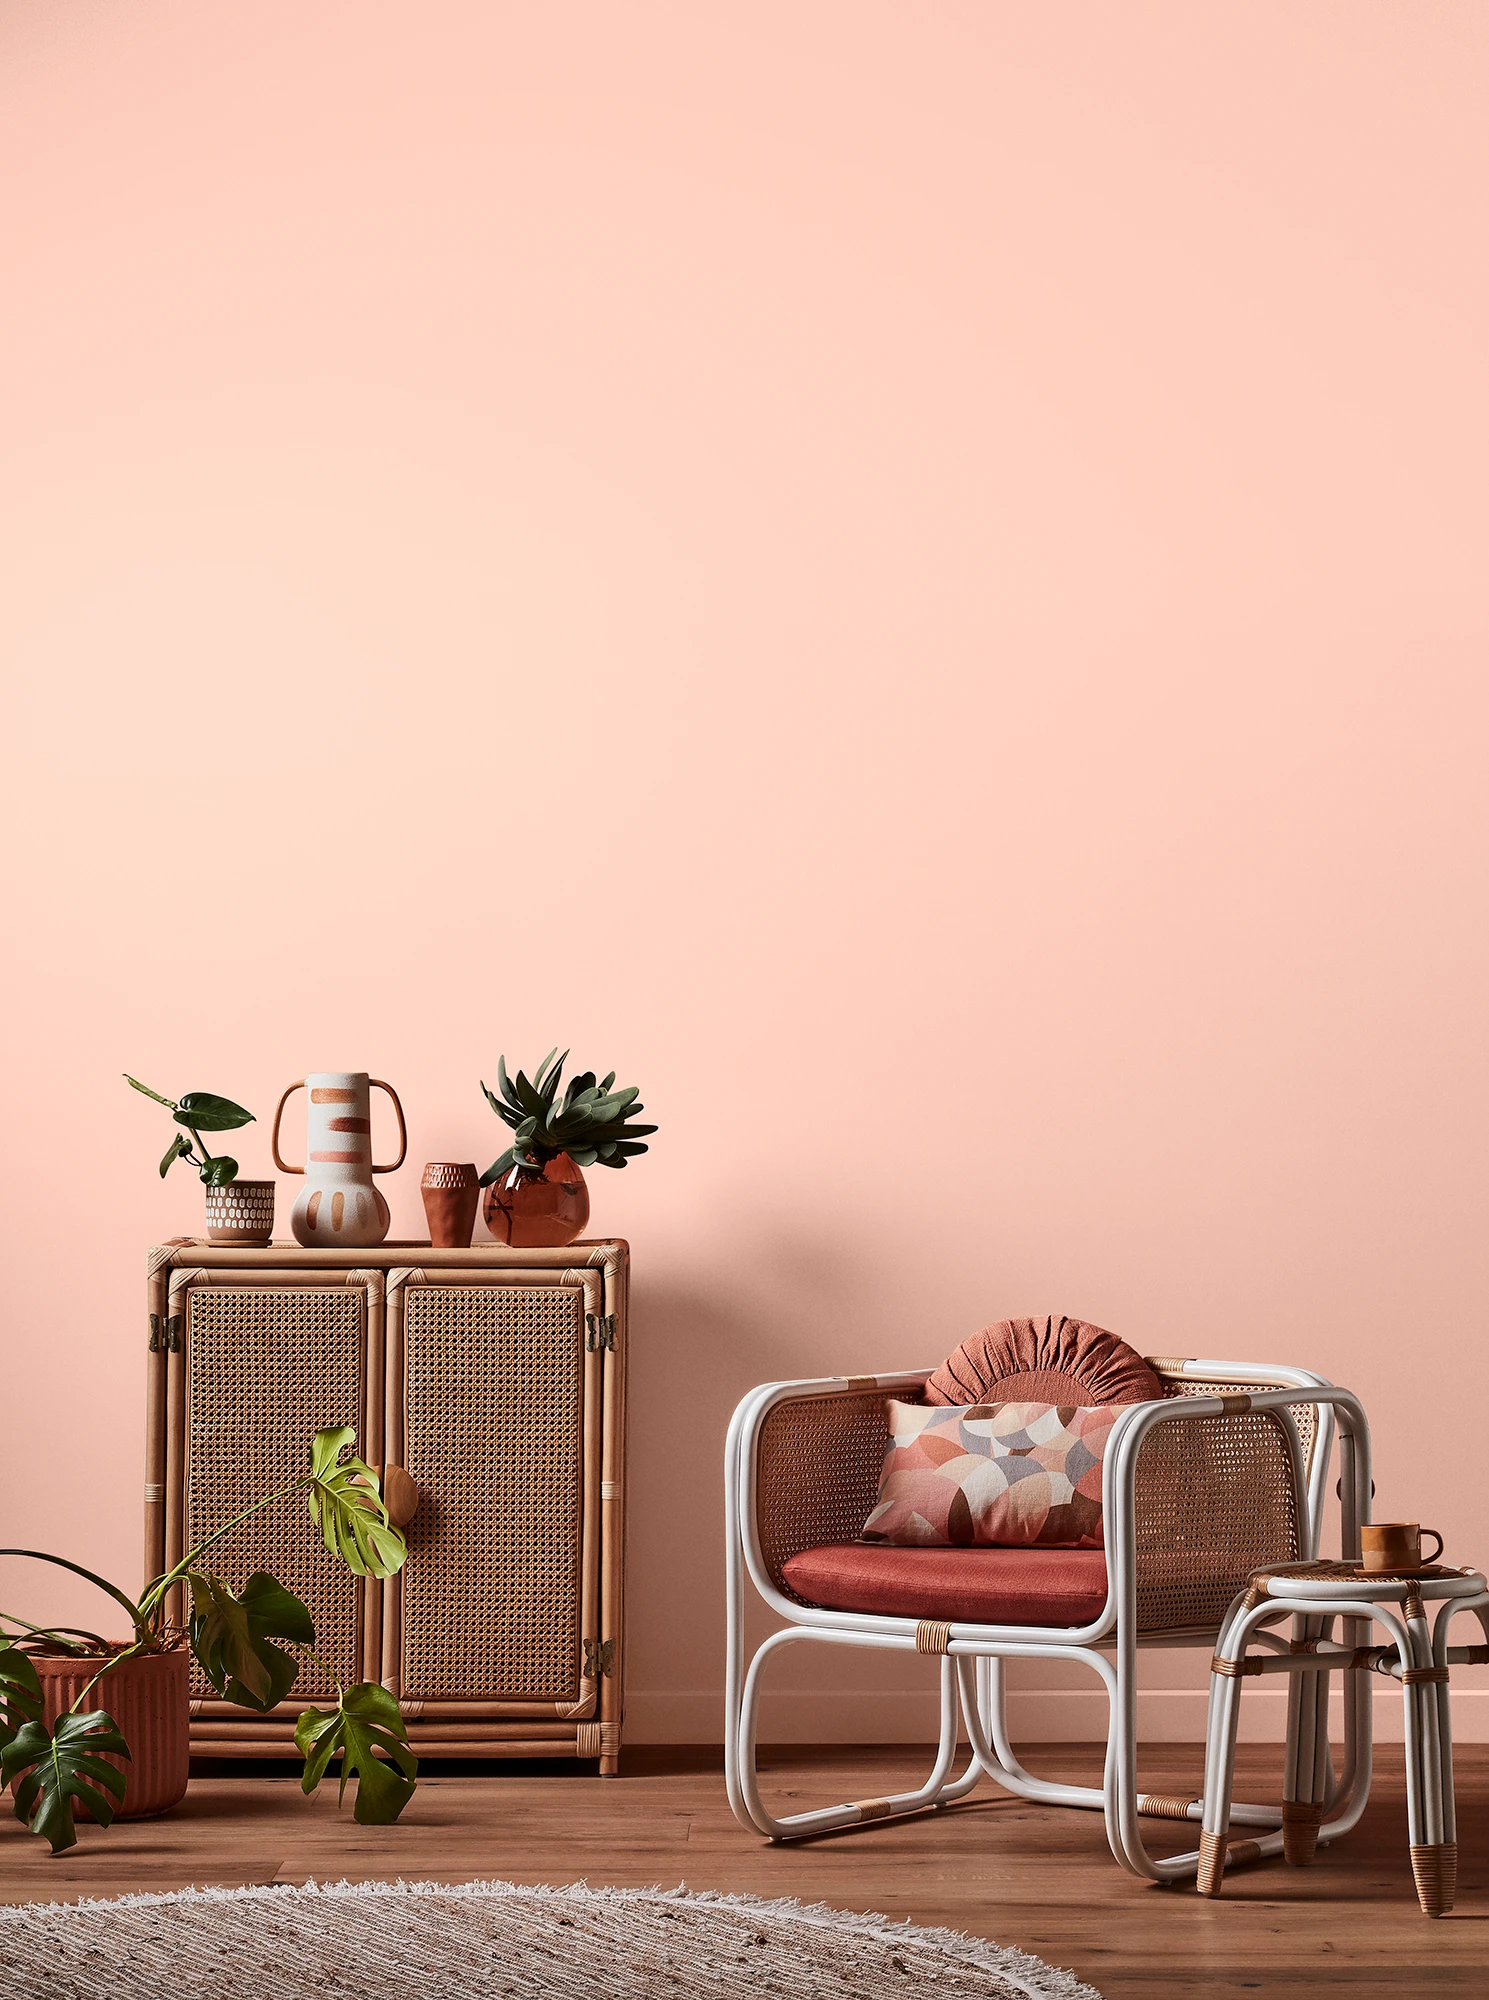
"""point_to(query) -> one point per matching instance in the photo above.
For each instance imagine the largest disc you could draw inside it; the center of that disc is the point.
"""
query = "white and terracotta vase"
(339, 1208)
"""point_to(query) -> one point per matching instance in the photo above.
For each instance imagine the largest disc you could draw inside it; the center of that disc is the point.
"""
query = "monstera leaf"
(20, 1693)
(347, 1508)
(232, 1637)
(61, 1767)
(365, 1719)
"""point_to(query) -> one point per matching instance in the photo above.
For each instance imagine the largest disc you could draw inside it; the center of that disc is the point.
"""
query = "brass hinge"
(599, 1659)
(599, 1331)
(165, 1334)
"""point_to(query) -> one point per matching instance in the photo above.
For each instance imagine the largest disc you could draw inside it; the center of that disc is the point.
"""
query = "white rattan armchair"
(1225, 1474)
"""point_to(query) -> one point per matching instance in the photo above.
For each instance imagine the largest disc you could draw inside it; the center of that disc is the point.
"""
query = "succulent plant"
(592, 1123)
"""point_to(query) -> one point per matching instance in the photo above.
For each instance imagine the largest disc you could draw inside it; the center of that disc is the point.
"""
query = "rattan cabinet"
(496, 1379)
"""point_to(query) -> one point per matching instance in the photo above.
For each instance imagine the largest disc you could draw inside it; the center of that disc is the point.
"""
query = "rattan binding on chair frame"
(1435, 1870)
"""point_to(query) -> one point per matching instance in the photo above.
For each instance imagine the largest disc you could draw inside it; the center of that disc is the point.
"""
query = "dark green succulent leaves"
(347, 1507)
(232, 1637)
(366, 1719)
(64, 1766)
(592, 1123)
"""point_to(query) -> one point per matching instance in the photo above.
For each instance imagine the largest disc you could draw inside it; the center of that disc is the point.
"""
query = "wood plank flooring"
(1035, 1877)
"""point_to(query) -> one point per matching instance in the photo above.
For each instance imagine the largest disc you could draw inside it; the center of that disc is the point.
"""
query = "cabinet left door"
(254, 1363)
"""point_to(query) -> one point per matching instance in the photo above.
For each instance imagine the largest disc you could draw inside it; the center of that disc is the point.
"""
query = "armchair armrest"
(1200, 1490)
(809, 1455)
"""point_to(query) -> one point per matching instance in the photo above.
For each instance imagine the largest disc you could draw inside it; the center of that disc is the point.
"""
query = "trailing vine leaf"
(232, 1636)
(347, 1507)
(366, 1719)
(178, 1147)
(210, 1114)
(61, 1767)
(145, 1091)
(20, 1693)
(219, 1171)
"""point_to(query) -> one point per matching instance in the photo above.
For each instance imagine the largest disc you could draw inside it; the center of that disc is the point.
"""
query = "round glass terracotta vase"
(538, 1208)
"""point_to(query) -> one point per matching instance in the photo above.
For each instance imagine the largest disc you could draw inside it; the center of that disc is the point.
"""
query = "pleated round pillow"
(1044, 1361)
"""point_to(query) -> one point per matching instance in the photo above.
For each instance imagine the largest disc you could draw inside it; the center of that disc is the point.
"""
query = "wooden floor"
(1024, 1875)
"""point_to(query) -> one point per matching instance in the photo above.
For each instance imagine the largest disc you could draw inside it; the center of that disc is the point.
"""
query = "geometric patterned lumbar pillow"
(992, 1475)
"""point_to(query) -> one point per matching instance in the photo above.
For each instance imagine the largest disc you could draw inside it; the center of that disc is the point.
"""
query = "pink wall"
(910, 577)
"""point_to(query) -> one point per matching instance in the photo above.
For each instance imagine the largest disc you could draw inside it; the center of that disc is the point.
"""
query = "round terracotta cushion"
(1044, 1361)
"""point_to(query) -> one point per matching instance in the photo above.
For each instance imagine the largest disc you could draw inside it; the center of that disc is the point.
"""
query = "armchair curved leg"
(856, 1812)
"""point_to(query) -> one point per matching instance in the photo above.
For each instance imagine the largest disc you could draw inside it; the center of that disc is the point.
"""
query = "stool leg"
(1220, 1763)
(1434, 1858)
(1305, 1783)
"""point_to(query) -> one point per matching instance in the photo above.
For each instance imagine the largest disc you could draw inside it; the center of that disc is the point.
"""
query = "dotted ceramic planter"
(242, 1212)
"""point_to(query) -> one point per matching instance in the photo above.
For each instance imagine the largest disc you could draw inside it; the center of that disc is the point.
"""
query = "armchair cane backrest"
(1214, 1500)
(817, 1474)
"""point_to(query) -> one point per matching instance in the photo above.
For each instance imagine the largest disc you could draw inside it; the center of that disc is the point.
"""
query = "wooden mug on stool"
(1390, 1545)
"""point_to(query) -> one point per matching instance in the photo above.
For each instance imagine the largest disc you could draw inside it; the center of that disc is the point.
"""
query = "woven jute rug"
(394, 1941)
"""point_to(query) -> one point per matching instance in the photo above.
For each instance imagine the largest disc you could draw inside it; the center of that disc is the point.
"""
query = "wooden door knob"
(400, 1495)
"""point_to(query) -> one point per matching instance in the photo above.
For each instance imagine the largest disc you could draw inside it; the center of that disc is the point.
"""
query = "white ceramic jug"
(339, 1208)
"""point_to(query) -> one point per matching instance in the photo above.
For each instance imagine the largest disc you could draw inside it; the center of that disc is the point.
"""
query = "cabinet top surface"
(605, 1250)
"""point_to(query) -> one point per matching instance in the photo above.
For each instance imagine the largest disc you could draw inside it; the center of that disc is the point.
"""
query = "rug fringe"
(1030, 1975)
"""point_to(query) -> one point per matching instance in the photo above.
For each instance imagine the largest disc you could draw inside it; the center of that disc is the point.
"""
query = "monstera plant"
(199, 1111)
(249, 1644)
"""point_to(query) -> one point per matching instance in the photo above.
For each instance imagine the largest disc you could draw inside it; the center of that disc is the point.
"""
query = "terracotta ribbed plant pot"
(538, 1210)
(452, 1194)
(147, 1697)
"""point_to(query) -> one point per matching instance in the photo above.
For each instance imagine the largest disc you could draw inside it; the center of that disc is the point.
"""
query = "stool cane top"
(1332, 1578)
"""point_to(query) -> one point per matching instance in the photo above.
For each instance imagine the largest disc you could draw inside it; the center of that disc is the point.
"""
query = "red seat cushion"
(1044, 1361)
(956, 1586)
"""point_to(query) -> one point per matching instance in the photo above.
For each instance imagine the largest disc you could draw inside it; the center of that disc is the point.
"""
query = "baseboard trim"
(1061, 1716)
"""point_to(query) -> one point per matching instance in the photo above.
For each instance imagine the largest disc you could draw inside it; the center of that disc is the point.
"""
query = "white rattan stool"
(1316, 1594)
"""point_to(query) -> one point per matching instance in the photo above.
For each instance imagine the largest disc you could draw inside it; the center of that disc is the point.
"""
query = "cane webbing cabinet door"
(496, 1378)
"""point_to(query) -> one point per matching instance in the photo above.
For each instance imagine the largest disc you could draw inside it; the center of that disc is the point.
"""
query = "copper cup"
(1389, 1545)
(452, 1194)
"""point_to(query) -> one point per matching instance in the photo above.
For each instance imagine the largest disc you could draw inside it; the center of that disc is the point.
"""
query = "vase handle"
(374, 1084)
(284, 1165)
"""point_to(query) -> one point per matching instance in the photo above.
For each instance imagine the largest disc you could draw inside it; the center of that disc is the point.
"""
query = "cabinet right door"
(493, 1408)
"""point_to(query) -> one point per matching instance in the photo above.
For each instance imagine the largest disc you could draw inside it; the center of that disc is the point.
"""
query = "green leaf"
(219, 1171)
(366, 1719)
(608, 1081)
(20, 1693)
(504, 1084)
(231, 1637)
(498, 1168)
(211, 1114)
(583, 1156)
(62, 1767)
(542, 1072)
(179, 1145)
(145, 1091)
(347, 1507)
(503, 1111)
